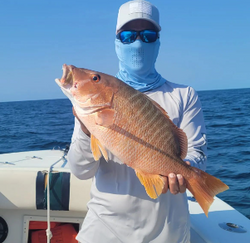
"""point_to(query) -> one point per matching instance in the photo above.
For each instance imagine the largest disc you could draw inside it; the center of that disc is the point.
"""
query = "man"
(119, 209)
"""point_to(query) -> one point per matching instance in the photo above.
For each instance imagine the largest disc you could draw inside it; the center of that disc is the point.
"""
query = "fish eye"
(96, 78)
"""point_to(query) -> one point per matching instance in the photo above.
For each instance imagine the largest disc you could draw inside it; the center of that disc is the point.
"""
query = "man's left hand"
(174, 183)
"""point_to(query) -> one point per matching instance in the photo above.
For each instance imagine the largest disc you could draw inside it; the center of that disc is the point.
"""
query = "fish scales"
(136, 130)
(137, 143)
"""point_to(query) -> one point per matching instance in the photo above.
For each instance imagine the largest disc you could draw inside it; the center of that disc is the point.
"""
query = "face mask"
(137, 64)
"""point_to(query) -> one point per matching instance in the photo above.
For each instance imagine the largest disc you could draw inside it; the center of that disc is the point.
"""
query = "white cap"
(137, 9)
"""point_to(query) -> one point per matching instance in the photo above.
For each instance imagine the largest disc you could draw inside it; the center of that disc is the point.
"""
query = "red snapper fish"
(135, 129)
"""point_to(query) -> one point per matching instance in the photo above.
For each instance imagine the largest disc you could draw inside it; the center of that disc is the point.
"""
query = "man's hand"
(84, 129)
(174, 183)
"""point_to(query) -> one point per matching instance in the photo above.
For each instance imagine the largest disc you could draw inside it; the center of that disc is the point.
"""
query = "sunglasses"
(129, 36)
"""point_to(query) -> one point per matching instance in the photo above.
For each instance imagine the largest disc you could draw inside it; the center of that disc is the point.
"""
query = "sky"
(204, 44)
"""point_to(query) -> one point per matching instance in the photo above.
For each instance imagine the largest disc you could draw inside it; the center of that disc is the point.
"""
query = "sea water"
(48, 124)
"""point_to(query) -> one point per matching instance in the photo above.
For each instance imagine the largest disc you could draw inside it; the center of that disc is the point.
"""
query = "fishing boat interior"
(41, 201)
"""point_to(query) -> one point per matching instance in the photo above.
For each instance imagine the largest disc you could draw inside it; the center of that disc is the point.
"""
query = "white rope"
(48, 231)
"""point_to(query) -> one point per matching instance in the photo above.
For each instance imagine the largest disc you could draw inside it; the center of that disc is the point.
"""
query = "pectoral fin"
(96, 147)
(153, 183)
(105, 117)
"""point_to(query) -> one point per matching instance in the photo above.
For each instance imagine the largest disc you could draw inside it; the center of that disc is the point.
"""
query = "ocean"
(48, 124)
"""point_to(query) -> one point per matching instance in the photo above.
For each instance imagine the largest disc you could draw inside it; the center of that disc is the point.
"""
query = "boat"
(41, 201)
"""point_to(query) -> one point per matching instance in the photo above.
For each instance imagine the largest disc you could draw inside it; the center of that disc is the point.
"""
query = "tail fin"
(204, 187)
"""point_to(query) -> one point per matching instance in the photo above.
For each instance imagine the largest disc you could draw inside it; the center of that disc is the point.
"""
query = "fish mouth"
(66, 80)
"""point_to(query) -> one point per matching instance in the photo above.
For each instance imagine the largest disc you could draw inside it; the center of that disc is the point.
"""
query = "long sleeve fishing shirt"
(119, 209)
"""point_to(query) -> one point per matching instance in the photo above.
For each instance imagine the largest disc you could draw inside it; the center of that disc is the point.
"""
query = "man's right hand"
(84, 129)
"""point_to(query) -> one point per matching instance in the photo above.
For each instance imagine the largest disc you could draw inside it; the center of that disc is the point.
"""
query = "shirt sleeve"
(80, 158)
(192, 123)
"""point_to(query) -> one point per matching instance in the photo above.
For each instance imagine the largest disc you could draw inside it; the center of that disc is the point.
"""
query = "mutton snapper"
(136, 130)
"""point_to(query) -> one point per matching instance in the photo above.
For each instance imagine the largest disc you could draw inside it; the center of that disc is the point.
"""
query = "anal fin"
(153, 183)
(97, 149)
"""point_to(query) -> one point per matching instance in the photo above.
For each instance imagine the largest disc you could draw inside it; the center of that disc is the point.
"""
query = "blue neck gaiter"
(137, 64)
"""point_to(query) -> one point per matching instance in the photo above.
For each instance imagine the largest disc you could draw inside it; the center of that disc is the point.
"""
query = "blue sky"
(205, 44)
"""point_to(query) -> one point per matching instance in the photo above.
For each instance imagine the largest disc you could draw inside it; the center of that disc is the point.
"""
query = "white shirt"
(119, 209)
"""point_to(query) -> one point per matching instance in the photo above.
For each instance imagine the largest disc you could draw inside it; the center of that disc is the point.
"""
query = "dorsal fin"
(182, 140)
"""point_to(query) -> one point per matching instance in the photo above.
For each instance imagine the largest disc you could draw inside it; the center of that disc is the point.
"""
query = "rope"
(50, 170)
(48, 231)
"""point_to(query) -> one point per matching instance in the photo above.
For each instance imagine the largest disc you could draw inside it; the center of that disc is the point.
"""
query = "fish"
(137, 130)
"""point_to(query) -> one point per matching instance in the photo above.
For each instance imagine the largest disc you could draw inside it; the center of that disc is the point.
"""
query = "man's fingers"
(165, 188)
(173, 184)
(182, 183)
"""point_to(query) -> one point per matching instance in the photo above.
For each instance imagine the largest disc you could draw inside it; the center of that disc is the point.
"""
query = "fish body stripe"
(144, 137)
